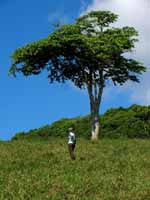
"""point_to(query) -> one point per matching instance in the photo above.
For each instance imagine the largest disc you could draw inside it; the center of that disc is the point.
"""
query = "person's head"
(70, 129)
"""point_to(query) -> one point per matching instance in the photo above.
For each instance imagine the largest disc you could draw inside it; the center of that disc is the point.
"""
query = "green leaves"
(97, 19)
(83, 51)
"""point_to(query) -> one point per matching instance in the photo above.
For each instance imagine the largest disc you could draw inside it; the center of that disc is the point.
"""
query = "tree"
(89, 53)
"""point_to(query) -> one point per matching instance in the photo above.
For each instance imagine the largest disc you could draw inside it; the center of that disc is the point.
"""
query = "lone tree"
(89, 53)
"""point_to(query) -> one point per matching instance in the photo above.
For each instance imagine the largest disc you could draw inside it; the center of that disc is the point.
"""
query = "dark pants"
(71, 148)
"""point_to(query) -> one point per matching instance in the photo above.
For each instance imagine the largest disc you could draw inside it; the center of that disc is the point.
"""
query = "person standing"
(71, 143)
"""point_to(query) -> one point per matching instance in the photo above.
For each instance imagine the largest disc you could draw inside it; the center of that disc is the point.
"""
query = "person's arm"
(74, 137)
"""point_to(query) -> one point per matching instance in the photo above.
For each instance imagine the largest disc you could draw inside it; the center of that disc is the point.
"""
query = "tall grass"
(104, 170)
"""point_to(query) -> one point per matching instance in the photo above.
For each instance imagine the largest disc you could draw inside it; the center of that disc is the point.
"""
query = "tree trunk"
(95, 100)
(95, 128)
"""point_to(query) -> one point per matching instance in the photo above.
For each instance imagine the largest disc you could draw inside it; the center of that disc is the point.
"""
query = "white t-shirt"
(71, 138)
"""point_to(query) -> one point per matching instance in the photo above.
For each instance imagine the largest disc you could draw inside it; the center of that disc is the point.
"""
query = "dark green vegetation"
(132, 122)
(104, 170)
(88, 53)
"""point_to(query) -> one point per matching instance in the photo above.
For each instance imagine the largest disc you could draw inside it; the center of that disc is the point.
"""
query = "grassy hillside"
(106, 170)
(132, 122)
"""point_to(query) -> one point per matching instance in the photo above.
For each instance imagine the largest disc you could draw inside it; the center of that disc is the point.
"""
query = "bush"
(132, 122)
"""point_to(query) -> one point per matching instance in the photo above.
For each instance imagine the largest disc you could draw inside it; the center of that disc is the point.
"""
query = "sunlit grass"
(107, 169)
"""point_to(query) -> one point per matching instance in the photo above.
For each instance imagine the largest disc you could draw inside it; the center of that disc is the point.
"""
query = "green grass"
(104, 170)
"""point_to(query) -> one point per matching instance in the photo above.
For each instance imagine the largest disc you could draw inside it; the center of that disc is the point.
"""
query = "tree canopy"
(75, 50)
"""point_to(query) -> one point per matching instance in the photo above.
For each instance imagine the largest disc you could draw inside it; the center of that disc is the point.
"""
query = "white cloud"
(134, 13)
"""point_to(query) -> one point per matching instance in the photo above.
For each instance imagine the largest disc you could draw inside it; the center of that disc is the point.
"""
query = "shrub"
(132, 122)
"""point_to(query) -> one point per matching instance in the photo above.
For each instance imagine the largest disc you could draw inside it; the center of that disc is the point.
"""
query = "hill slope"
(106, 170)
(132, 122)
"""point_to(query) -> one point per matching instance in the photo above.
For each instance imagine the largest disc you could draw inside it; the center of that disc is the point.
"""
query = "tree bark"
(95, 94)
(95, 128)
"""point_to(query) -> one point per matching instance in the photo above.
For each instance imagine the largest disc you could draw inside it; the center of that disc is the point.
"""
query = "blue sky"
(27, 103)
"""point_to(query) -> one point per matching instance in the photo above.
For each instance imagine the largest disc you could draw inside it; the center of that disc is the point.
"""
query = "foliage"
(33, 133)
(107, 169)
(82, 52)
(132, 122)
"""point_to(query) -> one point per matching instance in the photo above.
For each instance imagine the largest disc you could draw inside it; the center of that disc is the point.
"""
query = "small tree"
(89, 53)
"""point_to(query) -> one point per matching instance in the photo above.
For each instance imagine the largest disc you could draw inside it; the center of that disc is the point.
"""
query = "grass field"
(105, 170)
